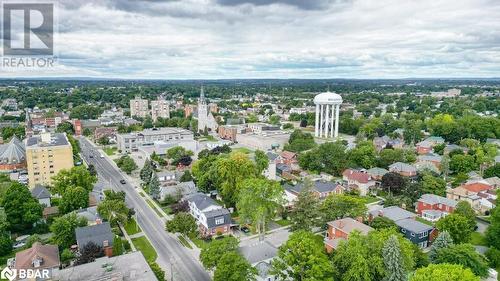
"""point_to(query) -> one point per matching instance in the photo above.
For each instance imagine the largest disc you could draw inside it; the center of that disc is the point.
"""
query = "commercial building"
(139, 107)
(159, 108)
(229, 132)
(46, 155)
(132, 141)
(12, 155)
(264, 141)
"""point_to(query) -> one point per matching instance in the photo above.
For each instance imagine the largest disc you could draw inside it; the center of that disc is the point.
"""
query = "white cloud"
(277, 39)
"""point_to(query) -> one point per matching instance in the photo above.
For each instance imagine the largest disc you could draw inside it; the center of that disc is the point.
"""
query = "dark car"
(91, 156)
(122, 181)
(245, 229)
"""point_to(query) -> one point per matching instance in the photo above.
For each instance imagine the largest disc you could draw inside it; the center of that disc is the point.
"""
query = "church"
(205, 117)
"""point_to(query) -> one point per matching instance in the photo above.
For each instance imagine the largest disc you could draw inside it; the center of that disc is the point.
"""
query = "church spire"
(202, 95)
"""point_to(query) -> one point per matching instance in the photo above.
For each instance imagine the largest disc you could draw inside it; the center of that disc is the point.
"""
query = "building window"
(423, 234)
(219, 220)
(403, 230)
(412, 234)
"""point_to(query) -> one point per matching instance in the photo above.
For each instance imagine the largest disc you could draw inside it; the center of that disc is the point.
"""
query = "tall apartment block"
(139, 107)
(46, 155)
(159, 108)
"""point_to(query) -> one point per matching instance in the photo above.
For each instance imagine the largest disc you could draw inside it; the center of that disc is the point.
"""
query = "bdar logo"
(8, 273)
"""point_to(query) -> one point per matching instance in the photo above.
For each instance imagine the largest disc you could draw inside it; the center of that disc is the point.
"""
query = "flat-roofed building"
(139, 107)
(132, 141)
(46, 155)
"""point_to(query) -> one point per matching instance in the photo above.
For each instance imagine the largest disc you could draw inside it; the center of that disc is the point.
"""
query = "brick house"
(211, 218)
(339, 230)
(432, 207)
(287, 157)
(358, 180)
(403, 169)
(38, 257)
(469, 192)
(320, 188)
(99, 234)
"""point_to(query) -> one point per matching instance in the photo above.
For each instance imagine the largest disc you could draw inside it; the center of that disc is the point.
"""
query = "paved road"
(185, 266)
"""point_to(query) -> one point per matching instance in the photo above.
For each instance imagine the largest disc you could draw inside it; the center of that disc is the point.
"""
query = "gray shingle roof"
(212, 215)
(413, 225)
(40, 192)
(395, 213)
(319, 186)
(258, 252)
(201, 200)
(95, 233)
(402, 167)
(435, 199)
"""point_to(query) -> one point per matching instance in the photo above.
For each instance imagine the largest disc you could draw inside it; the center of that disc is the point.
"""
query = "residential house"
(42, 195)
(403, 169)
(166, 176)
(432, 207)
(320, 188)
(287, 157)
(385, 141)
(211, 217)
(487, 201)
(358, 180)
(90, 214)
(38, 257)
(426, 145)
(339, 230)
(178, 189)
(99, 234)
(260, 256)
(493, 181)
(377, 173)
(451, 147)
(469, 192)
(418, 233)
(430, 158)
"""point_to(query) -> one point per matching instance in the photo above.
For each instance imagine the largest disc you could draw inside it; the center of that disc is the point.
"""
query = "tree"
(32, 240)
(74, 198)
(351, 259)
(146, 171)
(117, 246)
(302, 258)
(444, 272)
(443, 240)
(65, 127)
(89, 253)
(126, 163)
(464, 209)
(66, 256)
(175, 154)
(233, 267)
(465, 255)
(458, 227)
(393, 182)
(383, 223)
(182, 223)
(393, 260)
(213, 252)
(154, 186)
(229, 172)
(493, 231)
(64, 227)
(186, 176)
(5, 243)
(261, 161)
(305, 215)
(330, 157)
(4, 222)
(462, 163)
(288, 126)
(21, 209)
(104, 140)
(341, 206)
(92, 170)
(433, 185)
(492, 171)
(300, 141)
(258, 201)
(114, 210)
(364, 155)
(76, 176)
(182, 206)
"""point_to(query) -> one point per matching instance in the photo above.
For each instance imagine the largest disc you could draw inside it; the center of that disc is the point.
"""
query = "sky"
(226, 39)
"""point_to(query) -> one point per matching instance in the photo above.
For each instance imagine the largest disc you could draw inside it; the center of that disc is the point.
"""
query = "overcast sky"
(198, 39)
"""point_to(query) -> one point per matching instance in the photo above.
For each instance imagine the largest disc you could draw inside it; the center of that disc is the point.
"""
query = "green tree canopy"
(341, 206)
(464, 209)
(444, 272)
(182, 223)
(305, 213)
(76, 176)
(64, 227)
(21, 209)
(261, 161)
(213, 252)
(465, 255)
(458, 227)
(233, 267)
(74, 198)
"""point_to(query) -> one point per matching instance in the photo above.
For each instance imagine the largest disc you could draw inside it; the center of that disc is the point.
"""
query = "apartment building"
(139, 107)
(160, 108)
(46, 155)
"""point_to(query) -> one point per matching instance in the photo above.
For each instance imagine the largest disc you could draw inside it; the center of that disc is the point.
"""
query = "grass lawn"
(110, 150)
(370, 199)
(283, 222)
(184, 242)
(142, 244)
(200, 243)
(142, 194)
(131, 227)
(167, 209)
(152, 205)
(242, 150)
(478, 239)
(423, 221)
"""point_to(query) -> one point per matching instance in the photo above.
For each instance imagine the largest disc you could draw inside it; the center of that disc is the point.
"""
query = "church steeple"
(202, 96)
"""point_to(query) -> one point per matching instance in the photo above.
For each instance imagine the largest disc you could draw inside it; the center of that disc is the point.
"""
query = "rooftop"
(258, 252)
(413, 225)
(201, 200)
(328, 98)
(435, 199)
(47, 140)
(394, 213)
(348, 225)
(48, 255)
(95, 233)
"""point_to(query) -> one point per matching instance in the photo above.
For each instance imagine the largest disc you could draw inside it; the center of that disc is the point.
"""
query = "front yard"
(131, 227)
(142, 244)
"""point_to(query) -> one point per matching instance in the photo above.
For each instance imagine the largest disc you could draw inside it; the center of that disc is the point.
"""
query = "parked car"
(122, 181)
(245, 229)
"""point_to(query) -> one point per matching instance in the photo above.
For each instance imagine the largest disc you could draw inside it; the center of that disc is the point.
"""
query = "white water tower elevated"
(327, 115)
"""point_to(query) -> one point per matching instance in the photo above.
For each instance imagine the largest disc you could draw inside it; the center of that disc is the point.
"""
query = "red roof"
(356, 176)
(477, 187)
(288, 154)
